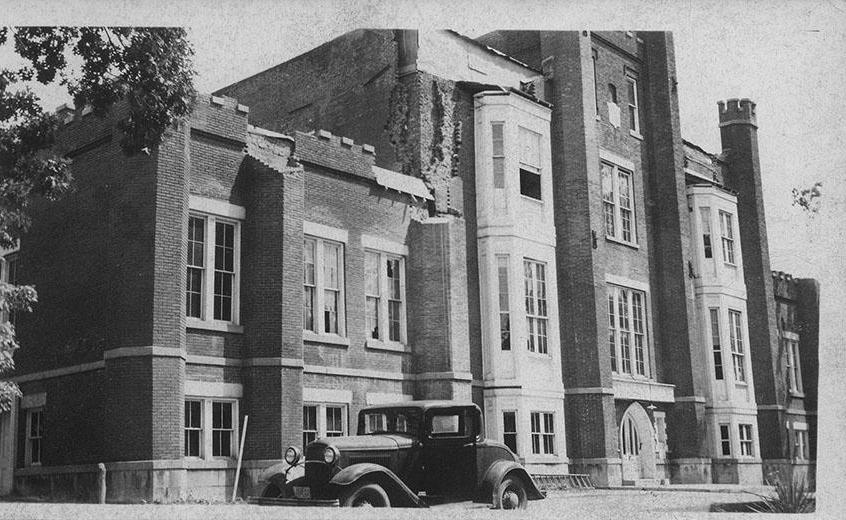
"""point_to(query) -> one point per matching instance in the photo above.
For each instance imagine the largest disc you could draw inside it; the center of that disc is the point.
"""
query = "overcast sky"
(787, 56)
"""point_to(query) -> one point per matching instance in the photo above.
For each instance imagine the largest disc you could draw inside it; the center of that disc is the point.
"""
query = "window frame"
(10, 263)
(512, 434)
(727, 238)
(619, 324)
(794, 365)
(207, 428)
(716, 343)
(615, 203)
(186, 429)
(544, 433)
(318, 308)
(504, 305)
(498, 159)
(707, 232)
(384, 300)
(29, 450)
(724, 430)
(531, 286)
(536, 170)
(322, 408)
(736, 342)
(594, 55)
(633, 104)
(213, 213)
(746, 442)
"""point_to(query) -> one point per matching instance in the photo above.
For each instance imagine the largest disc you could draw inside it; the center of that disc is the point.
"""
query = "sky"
(789, 56)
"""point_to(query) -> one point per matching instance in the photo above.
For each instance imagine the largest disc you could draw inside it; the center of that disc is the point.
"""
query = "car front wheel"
(511, 494)
(366, 495)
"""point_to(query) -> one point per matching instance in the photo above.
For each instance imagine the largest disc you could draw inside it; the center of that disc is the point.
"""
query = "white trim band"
(213, 389)
(324, 231)
(326, 395)
(216, 207)
(384, 245)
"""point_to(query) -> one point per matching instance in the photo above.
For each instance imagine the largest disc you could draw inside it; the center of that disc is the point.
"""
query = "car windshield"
(389, 420)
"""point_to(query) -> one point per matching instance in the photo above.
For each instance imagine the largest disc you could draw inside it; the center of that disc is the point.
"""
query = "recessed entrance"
(637, 445)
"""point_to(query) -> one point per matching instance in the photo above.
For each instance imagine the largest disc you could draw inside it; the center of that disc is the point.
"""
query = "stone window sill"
(327, 339)
(391, 346)
(216, 325)
(636, 135)
(632, 245)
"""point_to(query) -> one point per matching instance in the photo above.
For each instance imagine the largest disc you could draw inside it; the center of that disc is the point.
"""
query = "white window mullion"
(208, 276)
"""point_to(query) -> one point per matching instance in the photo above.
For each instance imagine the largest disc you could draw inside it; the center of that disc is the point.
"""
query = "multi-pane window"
(212, 268)
(627, 330)
(222, 429)
(794, 371)
(504, 315)
(716, 346)
(725, 440)
(629, 438)
(193, 428)
(509, 430)
(10, 263)
(536, 310)
(385, 296)
(543, 433)
(745, 440)
(210, 427)
(727, 234)
(736, 342)
(618, 203)
(323, 286)
(224, 270)
(800, 448)
(324, 420)
(530, 163)
(34, 435)
(634, 110)
(705, 215)
(498, 153)
(310, 430)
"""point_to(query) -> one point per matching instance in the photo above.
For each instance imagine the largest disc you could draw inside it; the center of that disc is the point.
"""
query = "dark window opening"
(530, 184)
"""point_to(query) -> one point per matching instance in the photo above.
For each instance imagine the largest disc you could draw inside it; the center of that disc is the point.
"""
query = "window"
(794, 372)
(725, 440)
(627, 330)
(323, 420)
(594, 60)
(211, 289)
(745, 440)
(634, 111)
(736, 341)
(530, 163)
(504, 315)
(193, 428)
(222, 429)
(629, 437)
(11, 264)
(447, 425)
(613, 106)
(385, 296)
(509, 430)
(612, 93)
(715, 343)
(543, 433)
(727, 233)
(323, 286)
(34, 436)
(220, 439)
(618, 203)
(498, 153)
(800, 447)
(536, 311)
(705, 214)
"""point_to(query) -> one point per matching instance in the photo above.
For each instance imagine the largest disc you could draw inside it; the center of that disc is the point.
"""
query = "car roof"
(424, 404)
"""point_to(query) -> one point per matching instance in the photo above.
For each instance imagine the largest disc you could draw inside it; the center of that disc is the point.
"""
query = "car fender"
(398, 492)
(281, 473)
(498, 471)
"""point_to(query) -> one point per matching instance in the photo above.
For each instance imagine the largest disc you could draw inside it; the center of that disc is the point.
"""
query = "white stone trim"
(622, 281)
(144, 351)
(786, 334)
(616, 159)
(59, 372)
(800, 426)
(193, 359)
(376, 398)
(326, 395)
(691, 399)
(588, 390)
(272, 362)
(356, 372)
(385, 245)
(34, 400)
(323, 231)
(215, 325)
(451, 376)
(216, 207)
(213, 389)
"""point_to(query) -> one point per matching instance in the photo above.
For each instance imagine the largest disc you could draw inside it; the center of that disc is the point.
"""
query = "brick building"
(409, 214)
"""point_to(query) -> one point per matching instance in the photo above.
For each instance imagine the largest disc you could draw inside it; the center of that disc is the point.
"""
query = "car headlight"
(292, 455)
(330, 455)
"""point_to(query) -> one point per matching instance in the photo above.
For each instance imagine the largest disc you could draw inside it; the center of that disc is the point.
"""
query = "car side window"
(448, 424)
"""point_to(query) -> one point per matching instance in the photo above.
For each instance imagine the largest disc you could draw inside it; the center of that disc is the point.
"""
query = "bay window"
(727, 234)
(736, 342)
(536, 307)
(504, 314)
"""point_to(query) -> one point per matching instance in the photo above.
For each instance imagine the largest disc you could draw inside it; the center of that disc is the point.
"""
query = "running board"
(564, 481)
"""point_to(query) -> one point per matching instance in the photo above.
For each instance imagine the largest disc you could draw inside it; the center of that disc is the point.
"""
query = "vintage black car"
(407, 454)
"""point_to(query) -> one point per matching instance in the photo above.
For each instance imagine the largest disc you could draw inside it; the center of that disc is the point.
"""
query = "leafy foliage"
(149, 68)
(791, 496)
(808, 198)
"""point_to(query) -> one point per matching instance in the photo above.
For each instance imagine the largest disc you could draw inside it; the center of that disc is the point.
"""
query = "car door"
(449, 451)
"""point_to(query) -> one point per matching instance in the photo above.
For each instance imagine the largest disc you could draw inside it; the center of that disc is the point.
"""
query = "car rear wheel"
(511, 494)
(366, 495)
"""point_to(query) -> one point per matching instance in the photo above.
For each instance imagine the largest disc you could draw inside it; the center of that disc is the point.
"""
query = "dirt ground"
(599, 504)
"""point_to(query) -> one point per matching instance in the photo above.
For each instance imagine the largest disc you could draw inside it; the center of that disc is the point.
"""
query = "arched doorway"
(637, 444)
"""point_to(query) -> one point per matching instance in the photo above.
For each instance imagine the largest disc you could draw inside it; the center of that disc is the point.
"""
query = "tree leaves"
(150, 69)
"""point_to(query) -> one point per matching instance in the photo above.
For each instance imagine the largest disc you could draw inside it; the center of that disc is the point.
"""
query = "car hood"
(368, 442)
